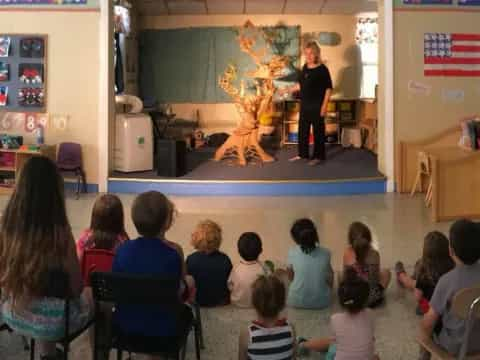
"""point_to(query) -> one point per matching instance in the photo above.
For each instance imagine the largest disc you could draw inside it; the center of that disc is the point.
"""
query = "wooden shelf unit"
(20, 158)
(343, 114)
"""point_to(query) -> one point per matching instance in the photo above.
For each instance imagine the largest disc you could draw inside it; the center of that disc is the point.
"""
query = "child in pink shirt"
(353, 330)
(107, 229)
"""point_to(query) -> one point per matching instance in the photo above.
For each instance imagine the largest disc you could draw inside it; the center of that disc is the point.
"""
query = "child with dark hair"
(352, 330)
(365, 260)
(244, 274)
(270, 336)
(309, 267)
(107, 226)
(465, 251)
(150, 254)
(435, 262)
(209, 266)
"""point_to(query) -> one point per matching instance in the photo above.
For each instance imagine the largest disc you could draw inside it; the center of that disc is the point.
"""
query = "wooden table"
(456, 183)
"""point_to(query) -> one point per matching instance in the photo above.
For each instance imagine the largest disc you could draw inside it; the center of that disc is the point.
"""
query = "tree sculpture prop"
(243, 144)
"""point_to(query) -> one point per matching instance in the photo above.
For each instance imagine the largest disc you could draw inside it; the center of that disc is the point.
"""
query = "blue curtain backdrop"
(183, 65)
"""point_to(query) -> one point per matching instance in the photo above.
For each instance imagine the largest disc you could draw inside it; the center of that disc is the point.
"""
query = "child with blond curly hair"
(209, 266)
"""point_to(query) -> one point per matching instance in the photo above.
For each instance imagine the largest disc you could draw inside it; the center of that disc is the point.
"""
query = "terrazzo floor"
(398, 223)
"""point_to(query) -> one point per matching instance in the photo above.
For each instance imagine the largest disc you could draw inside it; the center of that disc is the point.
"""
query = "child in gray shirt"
(465, 251)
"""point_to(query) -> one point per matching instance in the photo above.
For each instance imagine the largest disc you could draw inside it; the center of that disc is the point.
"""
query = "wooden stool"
(423, 169)
(368, 128)
(351, 137)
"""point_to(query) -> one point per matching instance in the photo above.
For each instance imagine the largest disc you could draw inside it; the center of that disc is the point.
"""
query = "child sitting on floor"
(268, 337)
(309, 267)
(465, 251)
(107, 229)
(365, 260)
(244, 274)
(435, 262)
(209, 267)
(353, 330)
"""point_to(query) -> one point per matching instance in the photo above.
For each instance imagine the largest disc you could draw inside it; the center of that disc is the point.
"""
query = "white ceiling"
(211, 7)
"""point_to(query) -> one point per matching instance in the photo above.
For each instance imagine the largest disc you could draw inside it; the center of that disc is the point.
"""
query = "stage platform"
(346, 171)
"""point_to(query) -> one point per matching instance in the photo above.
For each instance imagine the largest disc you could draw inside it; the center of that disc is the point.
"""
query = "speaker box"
(171, 158)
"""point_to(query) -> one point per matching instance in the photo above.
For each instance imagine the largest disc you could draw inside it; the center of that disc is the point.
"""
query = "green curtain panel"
(183, 65)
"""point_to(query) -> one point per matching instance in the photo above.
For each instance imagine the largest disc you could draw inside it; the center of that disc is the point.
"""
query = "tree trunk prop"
(243, 145)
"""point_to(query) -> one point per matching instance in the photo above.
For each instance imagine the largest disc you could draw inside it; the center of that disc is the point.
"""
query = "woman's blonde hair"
(207, 236)
(35, 237)
(315, 48)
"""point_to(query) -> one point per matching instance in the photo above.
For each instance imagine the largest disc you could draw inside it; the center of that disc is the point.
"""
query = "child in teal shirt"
(310, 268)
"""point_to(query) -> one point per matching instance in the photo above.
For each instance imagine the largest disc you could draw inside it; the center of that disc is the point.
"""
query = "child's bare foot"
(399, 270)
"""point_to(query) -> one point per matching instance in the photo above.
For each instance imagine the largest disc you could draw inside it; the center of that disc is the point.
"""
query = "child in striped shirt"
(270, 336)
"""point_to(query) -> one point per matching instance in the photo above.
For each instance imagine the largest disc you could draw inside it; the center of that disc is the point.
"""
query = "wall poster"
(43, 2)
(469, 2)
(428, 2)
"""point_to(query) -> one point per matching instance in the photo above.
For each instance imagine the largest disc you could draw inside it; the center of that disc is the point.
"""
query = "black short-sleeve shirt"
(211, 272)
(313, 85)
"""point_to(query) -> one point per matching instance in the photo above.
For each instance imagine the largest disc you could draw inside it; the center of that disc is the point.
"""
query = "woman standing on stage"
(315, 86)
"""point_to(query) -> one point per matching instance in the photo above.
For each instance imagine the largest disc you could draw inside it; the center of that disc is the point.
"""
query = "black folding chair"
(144, 290)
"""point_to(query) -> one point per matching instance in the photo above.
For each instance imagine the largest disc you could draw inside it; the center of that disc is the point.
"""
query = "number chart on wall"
(23, 72)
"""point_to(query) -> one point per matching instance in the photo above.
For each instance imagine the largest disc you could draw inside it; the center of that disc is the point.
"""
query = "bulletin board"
(23, 72)
(183, 65)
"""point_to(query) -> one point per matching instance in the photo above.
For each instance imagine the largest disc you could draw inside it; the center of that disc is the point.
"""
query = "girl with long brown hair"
(107, 226)
(435, 262)
(365, 260)
(38, 263)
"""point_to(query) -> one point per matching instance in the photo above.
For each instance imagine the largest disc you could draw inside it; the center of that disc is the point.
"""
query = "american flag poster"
(451, 54)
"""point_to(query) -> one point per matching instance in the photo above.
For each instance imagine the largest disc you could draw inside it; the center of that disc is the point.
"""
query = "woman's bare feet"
(315, 162)
(295, 158)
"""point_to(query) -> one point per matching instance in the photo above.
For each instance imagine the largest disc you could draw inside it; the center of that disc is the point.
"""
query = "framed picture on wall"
(27, 72)
(3, 95)
(32, 47)
(30, 73)
(31, 97)
(4, 46)
(4, 71)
